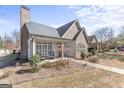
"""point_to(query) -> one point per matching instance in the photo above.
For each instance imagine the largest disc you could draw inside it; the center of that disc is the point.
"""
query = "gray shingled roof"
(40, 29)
(76, 35)
(62, 29)
(91, 38)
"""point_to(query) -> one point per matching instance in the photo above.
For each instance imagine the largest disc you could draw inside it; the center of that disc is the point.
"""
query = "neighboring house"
(68, 40)
(102, 47)
(93, 43)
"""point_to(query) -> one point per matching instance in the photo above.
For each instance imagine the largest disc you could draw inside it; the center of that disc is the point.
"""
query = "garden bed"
(21, 74)
(89, 78)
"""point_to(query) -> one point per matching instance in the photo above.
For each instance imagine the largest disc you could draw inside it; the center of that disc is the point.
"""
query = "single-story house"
(93, 43)
(68, 40)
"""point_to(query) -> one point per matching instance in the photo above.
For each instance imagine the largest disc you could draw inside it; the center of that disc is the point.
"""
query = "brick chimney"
(24, 18)
(24, 15)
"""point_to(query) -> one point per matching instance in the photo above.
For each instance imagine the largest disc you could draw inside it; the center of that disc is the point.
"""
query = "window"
(82, 47)
(43, 48)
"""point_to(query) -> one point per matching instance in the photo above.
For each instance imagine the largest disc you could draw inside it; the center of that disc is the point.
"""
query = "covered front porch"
(93, 46)
(47, 47)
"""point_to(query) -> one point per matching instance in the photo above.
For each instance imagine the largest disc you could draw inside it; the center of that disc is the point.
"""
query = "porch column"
(29, 48)
(62, 55)
(33, 44)
(100, 47)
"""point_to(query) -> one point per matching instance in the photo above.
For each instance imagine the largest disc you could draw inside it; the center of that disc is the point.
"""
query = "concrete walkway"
(109, 68)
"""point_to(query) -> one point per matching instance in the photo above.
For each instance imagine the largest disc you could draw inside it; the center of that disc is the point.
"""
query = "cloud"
(95, 16)
(56, 25)
(6, 26)
(74, 7)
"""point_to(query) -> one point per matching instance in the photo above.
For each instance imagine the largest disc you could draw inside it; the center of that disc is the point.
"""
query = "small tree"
(34, 63)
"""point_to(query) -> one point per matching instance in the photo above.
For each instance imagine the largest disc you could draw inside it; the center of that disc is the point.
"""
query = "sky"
(92, 17)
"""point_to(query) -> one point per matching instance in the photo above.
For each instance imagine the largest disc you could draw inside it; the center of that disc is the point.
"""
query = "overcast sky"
(90, 17)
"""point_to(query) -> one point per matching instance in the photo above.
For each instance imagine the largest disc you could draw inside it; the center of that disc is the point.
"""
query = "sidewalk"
(109, 68)
(3, 53)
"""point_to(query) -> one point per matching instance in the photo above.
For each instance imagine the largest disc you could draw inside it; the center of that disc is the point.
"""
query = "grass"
(112, 56)
(115, 60)
(89, 78)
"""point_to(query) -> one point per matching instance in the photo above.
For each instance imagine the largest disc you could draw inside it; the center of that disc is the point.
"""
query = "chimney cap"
(25, 7)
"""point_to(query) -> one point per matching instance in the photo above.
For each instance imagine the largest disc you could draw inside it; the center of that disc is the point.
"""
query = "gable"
(81, 38)
(62, 29)
(94, 40)
(71, 32)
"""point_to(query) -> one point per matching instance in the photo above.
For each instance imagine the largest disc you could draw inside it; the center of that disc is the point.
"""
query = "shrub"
(94, 59)
(93, 51)
(17, 64)
(62, 63)
(35, 59)
(56, 64)
(82, 55)
(46, 65)
(90, 54)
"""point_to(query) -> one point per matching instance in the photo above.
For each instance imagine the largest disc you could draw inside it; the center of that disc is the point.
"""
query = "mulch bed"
(21, 74)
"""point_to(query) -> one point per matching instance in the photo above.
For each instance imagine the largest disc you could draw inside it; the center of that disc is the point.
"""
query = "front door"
(59, 50)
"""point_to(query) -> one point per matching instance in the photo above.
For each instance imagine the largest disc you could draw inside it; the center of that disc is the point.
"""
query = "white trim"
(33, 46)
(80, 33)
(29, 54)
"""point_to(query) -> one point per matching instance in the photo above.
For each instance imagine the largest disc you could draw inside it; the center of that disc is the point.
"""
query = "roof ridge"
(62, 29)
(68, 23)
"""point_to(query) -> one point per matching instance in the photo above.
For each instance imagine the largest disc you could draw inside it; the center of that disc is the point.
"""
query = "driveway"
(7, 58)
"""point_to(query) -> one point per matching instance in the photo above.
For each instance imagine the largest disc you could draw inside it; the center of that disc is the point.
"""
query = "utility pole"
(0, 42)
(5, 42)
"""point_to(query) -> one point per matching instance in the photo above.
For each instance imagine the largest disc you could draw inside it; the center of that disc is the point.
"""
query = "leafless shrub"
(57, 64)
(93, 59)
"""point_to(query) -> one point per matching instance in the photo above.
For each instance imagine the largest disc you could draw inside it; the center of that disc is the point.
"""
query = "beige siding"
(69, 49)
(71, 32)
(81, 39)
